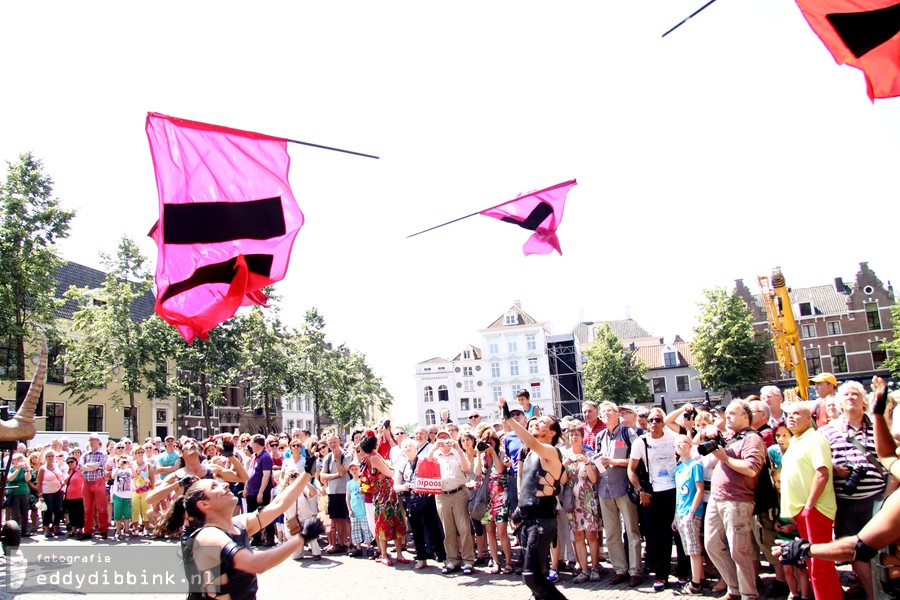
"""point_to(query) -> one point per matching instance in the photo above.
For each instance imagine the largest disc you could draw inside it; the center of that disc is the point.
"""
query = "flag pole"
(331, 148)
(547, 189)
(688, 18)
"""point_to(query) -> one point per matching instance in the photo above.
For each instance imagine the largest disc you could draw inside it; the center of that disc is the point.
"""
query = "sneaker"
(689, 589)
(595, 575)
(660, 585)
(553, 576)
(582, 577)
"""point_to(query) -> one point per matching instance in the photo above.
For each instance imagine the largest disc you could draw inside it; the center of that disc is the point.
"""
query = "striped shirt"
(93, 458)
(845, 454)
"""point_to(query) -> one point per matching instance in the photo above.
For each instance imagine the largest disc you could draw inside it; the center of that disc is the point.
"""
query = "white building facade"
(453, 385)
(297, 412)
(514, 354)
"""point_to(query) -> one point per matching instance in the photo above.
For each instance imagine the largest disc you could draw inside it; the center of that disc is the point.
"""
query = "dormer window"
(806, 309)
(670, 359)
(511, 319)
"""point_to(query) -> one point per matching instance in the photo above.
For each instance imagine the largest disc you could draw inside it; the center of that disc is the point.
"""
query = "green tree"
(110, 348)
(729, 353)
(357, 390)
(30, 224)
(264, 360)
(893, 347)
(612, 373)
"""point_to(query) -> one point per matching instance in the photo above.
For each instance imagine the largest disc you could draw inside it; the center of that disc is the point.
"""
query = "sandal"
(495, 570)
(402, 561)
(386, 562)
(509, 570)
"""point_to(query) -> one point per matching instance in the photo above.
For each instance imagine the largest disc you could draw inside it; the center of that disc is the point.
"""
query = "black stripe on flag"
(214, 222)
(862, 32)
(534, 219)
(222, 272)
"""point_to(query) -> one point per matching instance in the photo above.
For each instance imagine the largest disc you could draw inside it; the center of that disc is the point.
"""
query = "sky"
(730, 147)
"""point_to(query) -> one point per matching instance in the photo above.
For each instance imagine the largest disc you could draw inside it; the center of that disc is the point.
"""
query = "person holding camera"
(489, 464)
(807, 494)
(729, 516)
(859, 480)
(453, 503)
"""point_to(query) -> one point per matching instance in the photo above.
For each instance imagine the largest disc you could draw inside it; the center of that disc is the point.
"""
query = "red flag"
(861, 33)
(227, 220)
(540, 212)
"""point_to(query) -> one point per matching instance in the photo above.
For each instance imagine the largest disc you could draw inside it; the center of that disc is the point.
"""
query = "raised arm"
(545, 451)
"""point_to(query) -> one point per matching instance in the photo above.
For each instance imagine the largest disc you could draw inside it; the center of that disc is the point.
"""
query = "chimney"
(839, 286)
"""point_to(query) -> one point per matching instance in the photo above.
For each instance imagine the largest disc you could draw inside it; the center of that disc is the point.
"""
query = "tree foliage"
(110, 348)
(893, 347)
(611, 373)
(31, 221)
(728, 352)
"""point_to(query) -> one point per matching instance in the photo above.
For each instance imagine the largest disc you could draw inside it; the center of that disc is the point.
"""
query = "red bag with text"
(428, 477)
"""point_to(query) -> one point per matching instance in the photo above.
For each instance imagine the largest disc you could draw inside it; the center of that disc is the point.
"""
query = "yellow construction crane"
(785, 336)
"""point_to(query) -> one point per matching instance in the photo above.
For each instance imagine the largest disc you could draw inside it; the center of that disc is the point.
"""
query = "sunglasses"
(295, 445)
(474, 416)
(655, 420)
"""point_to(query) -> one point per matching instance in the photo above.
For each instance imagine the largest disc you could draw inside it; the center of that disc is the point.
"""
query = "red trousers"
(95, 499)
(817, 528)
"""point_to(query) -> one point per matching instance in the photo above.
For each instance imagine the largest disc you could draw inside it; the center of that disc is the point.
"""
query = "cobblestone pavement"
(340, 576)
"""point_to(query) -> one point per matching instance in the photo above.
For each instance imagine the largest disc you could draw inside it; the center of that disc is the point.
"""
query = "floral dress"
(389, 524)
(498, 510)
(586, 515)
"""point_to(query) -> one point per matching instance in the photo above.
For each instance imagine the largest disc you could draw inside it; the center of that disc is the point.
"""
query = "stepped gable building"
(842, 327)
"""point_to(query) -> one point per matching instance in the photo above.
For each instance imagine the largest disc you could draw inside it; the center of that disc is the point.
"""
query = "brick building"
(842, 327)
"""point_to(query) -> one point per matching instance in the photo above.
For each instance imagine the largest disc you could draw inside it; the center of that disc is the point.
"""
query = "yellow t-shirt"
(804, 456)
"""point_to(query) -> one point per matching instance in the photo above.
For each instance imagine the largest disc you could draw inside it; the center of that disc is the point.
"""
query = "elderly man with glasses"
(474, 419)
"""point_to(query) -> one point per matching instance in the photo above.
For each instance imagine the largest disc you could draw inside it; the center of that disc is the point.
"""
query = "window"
(535, 390)
(683, 383)
(443, 394)
(495, 369)
(95, 418)
(670, 359)
(469, 385)
(162, 415)
(531, 342)
(879, 354)
(429, 393)
(659, 385)
(513, 368)
(512, 346)
(467, 354)
(429, 417)
(808, 331)
(476, 403)
(813, 361)
(463, 404)
(494, 347)
(511, 319)
(427, 369)
(56, 371)
(498, 392)
(872, 317)
(838, 359)
(532, 366)
(55, 414)
(7, 359)
(467, 372)
(305, 404)
(833, 327)
(805, 309)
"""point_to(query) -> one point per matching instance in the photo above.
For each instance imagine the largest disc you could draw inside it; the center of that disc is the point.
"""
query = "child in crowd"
(689, 511)
(359, 527)
(796, 573)
(122, 489)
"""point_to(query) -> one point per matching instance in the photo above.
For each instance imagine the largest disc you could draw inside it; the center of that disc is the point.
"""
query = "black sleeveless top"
(531, 505)
(240, 585)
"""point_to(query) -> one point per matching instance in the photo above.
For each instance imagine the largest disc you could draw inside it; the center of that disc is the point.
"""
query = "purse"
(428, 477)
(480, 500)
(643, 476)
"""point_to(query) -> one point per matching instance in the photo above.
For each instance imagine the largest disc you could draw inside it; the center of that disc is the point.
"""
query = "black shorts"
(852, 515)
(337, 506)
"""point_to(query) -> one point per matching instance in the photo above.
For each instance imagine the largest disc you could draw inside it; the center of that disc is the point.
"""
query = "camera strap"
(869, 457)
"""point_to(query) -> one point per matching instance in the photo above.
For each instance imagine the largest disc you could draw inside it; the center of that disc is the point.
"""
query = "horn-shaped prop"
(21, 426)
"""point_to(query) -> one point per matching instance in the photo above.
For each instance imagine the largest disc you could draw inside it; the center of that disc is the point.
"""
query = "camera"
(386, 424)
(710, 445)
(856, 474)
(482, 446)
(295, 475)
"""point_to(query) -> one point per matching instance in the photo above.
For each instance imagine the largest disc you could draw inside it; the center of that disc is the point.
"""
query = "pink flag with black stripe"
(540, 212)
(227, 220)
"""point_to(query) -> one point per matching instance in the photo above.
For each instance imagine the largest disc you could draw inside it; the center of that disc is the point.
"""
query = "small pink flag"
(227, 220)
(540, 212)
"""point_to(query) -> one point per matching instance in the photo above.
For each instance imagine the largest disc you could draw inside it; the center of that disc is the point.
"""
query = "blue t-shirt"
(357, 502)
(686, 477)
(513, 447)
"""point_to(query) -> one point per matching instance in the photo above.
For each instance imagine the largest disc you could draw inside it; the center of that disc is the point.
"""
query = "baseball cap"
(443, 433)
(821, 377)
(170, 437)
(513, 411)
(94, 436)
(626, 408)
